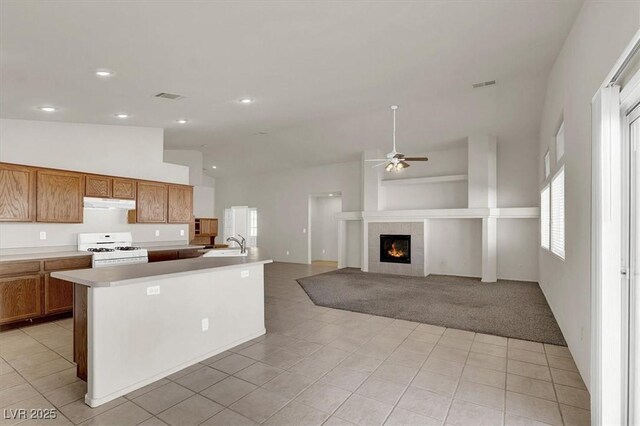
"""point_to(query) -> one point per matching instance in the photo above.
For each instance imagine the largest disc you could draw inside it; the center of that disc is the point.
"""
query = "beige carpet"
(515, 309)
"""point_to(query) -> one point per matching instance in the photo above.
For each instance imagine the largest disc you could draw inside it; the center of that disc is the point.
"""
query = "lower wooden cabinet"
(20, 298)
(28, 291)
(58, 295)
(162, 255)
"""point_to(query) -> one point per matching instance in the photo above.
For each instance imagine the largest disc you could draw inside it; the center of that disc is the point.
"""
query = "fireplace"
(395, 248)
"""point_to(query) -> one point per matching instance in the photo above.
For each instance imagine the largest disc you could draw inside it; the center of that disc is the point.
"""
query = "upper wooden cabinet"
(180, 204)
(17, 193)
(97, 186)
(151, 205)
(59, 196)
(124, 189)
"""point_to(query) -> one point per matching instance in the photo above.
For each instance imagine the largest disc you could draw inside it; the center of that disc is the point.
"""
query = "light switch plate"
(182, 232)
(205, 324)
(157, 232)
(287, 252)
(43, 235)
(244, 273)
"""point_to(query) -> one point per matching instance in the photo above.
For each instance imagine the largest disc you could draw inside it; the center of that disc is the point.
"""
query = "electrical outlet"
(287, 252)
(304, 230)
(182, 232)
(323, 251)
(244, 273)
(157, 232)
(205, 324)
(153, 290)
(43, 235)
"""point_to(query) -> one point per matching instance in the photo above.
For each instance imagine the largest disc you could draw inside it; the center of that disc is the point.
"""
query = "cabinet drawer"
(68, 263)
(14, 268)
(20, 298)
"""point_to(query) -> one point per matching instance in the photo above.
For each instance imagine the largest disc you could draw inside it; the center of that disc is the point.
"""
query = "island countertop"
(113, 276)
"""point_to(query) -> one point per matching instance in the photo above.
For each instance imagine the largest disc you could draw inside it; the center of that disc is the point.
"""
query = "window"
(253, 228)
(253, 222)
(545, 202)
(557, 214)
(560, 142)
(547, 165)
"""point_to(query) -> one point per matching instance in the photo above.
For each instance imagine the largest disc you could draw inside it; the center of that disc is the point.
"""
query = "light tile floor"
(314, 366)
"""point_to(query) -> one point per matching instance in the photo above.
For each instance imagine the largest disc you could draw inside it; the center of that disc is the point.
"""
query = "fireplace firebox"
(395, 248)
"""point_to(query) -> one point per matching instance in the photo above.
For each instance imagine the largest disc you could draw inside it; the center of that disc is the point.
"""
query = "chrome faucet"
(243, 245)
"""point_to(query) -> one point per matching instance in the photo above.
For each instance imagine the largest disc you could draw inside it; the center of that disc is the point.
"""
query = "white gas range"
(111, 249)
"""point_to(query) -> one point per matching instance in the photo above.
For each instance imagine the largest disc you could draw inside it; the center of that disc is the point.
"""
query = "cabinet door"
(97, 186)
(59, 196)
(17, 193)
(151, 205)
(20, 298)
(123, 189)
(58, 295)
(180, 204)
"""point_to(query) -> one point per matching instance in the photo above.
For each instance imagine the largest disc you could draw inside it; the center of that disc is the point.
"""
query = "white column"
(489, 249)
(342, 243)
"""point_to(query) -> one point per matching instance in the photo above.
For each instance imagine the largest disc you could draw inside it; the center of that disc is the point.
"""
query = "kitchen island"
(135, 324)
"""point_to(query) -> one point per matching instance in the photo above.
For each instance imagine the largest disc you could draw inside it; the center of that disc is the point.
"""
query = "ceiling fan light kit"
(395, 160)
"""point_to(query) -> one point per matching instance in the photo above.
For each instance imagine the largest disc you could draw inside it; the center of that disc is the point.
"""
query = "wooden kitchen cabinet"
(17, 193)
(59, 196)
(162, 255)
(97, 186)
(151, 205)
(58, 295)
(123, 189)
(20, 298)
(180, 204)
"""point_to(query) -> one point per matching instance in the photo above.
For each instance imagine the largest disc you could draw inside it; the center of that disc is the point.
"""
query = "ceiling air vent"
(483, 84)
(171, 96)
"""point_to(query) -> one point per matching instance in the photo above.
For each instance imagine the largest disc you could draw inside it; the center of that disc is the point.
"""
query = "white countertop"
(129, 274)
(39, 253)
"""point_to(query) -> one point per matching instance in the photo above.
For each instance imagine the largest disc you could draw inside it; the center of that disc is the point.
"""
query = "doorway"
(323, 228)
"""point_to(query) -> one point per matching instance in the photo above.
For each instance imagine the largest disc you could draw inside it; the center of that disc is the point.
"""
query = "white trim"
(424, 180)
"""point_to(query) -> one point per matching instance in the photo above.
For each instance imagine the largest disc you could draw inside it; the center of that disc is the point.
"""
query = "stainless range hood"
(108, 203)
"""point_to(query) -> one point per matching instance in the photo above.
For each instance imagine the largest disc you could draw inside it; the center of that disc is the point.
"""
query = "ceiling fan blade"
(416, 159)
(381, 164)
(377, 159)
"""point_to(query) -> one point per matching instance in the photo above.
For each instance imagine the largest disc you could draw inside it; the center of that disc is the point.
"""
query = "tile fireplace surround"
(415, 229)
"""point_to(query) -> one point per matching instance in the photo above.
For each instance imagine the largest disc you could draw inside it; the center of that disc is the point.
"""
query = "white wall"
(134, 152)
(601, 31)
(203, 185)
(282, 200)
(324, 227)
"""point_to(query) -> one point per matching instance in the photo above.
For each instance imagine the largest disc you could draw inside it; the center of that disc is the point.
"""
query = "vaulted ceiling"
(322, 74)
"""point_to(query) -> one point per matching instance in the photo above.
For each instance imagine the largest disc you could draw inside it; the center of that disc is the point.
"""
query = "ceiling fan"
(395, 160)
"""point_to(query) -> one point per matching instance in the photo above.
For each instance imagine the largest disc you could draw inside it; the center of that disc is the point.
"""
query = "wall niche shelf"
(424, 180)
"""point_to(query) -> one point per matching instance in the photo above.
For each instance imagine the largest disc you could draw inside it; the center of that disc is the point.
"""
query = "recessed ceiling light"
(213, 167)
(247, 100)
(330, 195)
(104, 73)
(182, 121)
(47, 108)
(122, 115)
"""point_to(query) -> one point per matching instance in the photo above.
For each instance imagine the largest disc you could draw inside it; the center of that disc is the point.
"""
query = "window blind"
(557, 214)
(545, 202)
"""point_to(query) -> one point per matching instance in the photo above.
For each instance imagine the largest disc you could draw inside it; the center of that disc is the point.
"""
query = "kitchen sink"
(224, 253)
